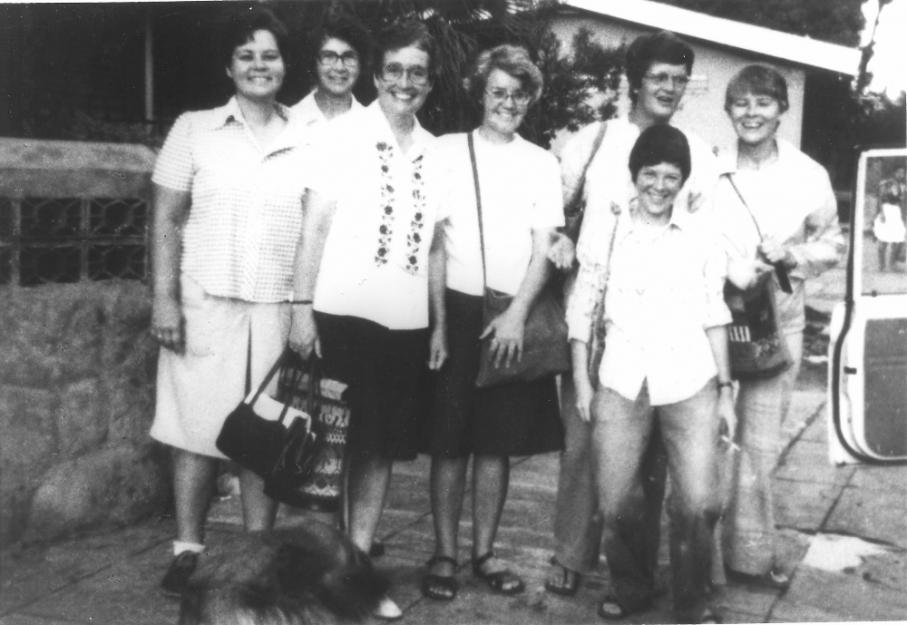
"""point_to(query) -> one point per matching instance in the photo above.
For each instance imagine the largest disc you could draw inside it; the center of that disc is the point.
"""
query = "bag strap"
(596, 144)
(475, 178)
(615, 210)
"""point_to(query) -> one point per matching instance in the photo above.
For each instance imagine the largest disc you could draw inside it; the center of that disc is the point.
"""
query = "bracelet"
(727, 383)
(301, 302)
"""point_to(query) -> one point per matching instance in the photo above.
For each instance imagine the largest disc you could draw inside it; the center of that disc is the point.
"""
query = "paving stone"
(805, 404)
(807, 461)
(842, 597)
(803, 505)
(876, 515)
(891, 478)
(28, 619)
(536, 472)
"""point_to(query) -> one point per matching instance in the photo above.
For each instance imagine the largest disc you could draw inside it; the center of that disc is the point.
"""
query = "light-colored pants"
(577, 518)
(749, 523)
(689, 430)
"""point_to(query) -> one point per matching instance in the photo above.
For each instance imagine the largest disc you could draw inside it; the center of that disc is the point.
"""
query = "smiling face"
(661, 90)
(504, 103)
(337, 67)
(755, 117)
(403, 81)
(656, 188)
(257, 67)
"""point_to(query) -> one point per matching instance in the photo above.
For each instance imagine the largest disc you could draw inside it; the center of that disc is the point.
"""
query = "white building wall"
(702, 109)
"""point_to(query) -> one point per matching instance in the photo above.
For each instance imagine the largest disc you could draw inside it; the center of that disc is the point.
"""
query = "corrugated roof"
(759, 39)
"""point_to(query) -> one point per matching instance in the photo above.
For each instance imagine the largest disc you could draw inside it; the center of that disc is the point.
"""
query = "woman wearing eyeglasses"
(521, 208)
(342, 47)
(367, 253)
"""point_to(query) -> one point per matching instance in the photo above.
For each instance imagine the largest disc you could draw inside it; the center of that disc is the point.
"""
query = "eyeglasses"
(663, 80)
(519, 97)
(417, 74)
(329, 57)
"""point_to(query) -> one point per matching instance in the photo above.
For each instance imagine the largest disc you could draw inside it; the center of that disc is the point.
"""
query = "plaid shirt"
(239, 240)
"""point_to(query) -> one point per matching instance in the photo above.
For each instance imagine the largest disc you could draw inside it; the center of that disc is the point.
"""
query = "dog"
(308, 575)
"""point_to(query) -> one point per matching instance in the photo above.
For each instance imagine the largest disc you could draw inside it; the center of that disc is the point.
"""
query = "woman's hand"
(584, 394)
(562, 251)
(167, 323)
(303, 337)
(745, 273)
(506, 331)
(437, 348)
(726, 414)
(774, 251)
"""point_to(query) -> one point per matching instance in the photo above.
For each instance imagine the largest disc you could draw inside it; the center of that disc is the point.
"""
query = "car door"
(868, 348)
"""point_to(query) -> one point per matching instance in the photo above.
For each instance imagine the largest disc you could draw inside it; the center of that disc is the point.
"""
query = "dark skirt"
(517, 419)
(386, 373)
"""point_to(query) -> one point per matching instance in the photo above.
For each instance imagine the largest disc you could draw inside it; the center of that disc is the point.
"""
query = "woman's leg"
(448, 483)
(490, 480)
(193, 485)
(258, 510)
(368, 482)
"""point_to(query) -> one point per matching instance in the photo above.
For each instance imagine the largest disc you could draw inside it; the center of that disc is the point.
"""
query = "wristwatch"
(727, 383)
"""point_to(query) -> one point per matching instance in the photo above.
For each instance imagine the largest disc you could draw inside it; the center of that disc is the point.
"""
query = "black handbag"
(302, 385)
(263, 442)
(545, 348)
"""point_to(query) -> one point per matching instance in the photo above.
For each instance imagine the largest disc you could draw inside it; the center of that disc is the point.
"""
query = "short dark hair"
(405, 34)
(661, 143)
(758, 80)
(660, 47)
(346, 28)
(240, 26)
(513, 60)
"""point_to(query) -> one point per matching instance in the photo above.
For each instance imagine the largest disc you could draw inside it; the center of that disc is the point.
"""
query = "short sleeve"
(548, 207)
(175, 165)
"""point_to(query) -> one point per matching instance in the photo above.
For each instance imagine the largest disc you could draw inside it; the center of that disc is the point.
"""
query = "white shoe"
(387, 609)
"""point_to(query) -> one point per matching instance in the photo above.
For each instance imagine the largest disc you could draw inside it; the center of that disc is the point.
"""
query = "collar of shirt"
(308, 113)
(727, 157)
(382, 131)
(230, 113)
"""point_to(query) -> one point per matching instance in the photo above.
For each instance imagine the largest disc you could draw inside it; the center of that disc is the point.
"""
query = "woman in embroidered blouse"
(224, 188)
(521, 207)
(666, 360)
(342, 47)
(364, 258)
(792, 201)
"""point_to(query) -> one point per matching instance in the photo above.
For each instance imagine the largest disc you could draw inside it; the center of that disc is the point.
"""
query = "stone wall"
(77, 372)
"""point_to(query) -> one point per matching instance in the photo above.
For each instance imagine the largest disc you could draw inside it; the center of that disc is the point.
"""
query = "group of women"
(351, 233)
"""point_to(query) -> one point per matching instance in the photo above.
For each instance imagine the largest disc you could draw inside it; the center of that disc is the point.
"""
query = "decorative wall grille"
(60, 240)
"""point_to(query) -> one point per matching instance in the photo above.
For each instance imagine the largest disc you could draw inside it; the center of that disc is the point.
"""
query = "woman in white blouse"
(521, 207)
(226, 220)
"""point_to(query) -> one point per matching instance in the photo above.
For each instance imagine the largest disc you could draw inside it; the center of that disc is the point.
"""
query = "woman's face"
(657, 186)
(504, 103)
(403, 81)
(257, 68)
(755, 117)
(337, 66)
(661, 90)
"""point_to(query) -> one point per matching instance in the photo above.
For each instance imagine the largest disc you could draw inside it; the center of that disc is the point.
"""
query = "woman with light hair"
(520, 210)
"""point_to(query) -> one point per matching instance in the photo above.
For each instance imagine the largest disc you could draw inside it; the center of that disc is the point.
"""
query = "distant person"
(521, 208)
(658, 67)
(227, 217)
(792, 220)
(888, 226)
(341, 53)
(664, 374)
(368, 252)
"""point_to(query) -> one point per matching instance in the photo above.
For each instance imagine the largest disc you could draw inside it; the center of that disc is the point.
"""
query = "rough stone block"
(110, 487)
(81, 418)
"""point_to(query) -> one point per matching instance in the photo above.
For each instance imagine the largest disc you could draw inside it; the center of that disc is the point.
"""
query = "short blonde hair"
(513, 60)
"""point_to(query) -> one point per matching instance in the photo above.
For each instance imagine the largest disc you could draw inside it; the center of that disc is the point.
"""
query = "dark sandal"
(440, 587)
(499, 581)
(568, 581)
(610, 609)
(774, 579)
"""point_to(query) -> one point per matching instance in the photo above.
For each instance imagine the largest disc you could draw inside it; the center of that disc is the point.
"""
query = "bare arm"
(508, 327)
(718, 341)
(170, 210)
(437, 281)
(318, 212)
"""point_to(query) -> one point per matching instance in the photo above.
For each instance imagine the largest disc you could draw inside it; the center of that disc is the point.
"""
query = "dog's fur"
(311, 575)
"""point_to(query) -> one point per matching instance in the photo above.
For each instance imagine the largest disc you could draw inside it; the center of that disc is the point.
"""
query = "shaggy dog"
(311, 575)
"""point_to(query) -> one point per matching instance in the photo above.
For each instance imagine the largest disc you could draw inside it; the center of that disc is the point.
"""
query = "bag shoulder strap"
(596, 145)
(475, 177)
(615, 209)
(743, 201)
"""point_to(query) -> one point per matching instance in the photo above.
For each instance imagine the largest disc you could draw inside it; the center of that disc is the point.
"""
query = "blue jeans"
(689, 430)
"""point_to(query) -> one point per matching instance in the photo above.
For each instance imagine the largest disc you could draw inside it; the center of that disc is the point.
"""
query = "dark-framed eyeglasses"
(519, 97)
(663, 80)
(328, 57)
(394, 72)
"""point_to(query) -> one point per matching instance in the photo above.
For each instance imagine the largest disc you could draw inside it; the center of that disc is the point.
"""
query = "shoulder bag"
(545, 348)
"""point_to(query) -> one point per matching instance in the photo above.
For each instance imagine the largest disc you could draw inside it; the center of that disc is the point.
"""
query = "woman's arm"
(170, 210)
(718, 341)
(507, 328)
(437, 281)
(318, 211)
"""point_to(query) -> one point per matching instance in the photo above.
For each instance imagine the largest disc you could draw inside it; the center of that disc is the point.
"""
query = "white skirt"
(198, 389)
(888, 226)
